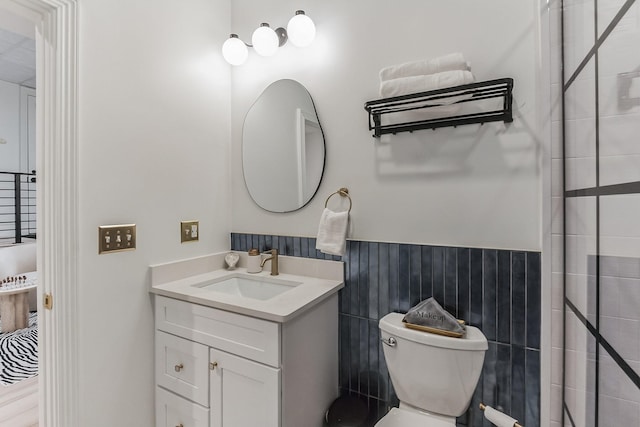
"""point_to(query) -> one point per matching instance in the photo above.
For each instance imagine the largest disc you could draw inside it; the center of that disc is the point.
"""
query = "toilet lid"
(402, 418)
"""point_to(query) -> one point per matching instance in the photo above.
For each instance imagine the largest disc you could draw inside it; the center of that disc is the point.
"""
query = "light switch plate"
(189, 231)
(116, 238)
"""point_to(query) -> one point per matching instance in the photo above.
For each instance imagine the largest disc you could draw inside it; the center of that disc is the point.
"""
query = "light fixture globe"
(265, 40)
(301, 30)
(234, 50)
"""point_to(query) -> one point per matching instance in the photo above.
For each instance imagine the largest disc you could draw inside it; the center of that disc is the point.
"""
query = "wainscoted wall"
(496, 290)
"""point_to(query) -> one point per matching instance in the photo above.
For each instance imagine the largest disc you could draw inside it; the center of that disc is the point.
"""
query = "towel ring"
(344, 192)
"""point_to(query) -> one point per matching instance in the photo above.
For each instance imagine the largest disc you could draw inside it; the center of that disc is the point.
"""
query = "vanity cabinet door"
(243, 393)
(174, 411)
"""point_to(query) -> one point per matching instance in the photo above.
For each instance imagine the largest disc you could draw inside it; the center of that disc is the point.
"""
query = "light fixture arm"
(282, 36)
(235, 36)
(280, 32)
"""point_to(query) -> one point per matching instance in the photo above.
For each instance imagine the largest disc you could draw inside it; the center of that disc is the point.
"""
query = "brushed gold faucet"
(274, 262)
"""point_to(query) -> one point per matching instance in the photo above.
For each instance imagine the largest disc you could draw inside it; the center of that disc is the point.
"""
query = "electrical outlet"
(115, 238)
(189, 231)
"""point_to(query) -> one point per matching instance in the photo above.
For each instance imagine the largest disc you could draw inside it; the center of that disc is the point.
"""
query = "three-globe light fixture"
(265, 41)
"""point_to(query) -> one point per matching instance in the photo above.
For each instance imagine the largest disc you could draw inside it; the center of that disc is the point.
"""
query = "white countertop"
(280, 308)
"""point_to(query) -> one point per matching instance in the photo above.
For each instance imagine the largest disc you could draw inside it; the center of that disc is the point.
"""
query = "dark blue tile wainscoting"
(495, 290)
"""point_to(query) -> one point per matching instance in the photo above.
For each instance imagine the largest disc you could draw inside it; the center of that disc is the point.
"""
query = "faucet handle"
(272, 251)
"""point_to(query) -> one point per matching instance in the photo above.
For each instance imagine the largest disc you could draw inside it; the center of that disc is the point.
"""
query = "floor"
(19, 404)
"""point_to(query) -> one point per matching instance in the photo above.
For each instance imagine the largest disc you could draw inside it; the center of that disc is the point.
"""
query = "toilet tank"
(432, 372)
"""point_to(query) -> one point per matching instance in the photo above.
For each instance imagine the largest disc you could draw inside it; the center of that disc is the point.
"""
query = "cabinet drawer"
(248, 337)
(182, 366)
(174, 411)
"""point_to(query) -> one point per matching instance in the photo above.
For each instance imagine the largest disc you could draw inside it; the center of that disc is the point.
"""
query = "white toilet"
(434, 376)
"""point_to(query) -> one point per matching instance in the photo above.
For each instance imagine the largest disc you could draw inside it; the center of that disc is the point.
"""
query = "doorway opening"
(18, 251)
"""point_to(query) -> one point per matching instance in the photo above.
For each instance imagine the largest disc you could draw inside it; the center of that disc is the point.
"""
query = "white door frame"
(57, 203)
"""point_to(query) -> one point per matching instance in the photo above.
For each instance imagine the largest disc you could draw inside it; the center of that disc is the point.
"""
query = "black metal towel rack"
(499, 88)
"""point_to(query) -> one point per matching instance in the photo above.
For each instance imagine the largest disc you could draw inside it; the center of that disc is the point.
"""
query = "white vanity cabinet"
(216, 368)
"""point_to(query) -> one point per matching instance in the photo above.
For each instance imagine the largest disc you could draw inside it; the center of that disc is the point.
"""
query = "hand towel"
(452, 61)
(415, 84)
(332, 232)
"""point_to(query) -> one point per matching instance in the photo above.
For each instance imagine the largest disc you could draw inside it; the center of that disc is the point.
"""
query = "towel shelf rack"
(469, 93)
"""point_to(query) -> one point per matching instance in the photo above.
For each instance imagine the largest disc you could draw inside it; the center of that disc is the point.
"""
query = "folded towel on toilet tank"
(429, 313)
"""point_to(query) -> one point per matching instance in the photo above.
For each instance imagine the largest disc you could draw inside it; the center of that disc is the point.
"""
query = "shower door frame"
(597, 191)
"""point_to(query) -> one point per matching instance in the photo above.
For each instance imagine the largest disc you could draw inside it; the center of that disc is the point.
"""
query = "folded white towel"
(415, 84)
(450, 62)
(332, 232)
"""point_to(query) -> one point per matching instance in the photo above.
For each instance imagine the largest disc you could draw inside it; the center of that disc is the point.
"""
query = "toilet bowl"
(434, 376)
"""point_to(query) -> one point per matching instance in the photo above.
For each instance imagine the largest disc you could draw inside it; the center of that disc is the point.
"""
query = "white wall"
(16, 24)
(17, 128)
(155, 127)
(27, 129)
(154, 135)
(9, 127)
(472, 186)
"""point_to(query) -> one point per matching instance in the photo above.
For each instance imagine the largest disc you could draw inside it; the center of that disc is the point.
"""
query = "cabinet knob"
(180, 425)
(178, 368)
(213, 365)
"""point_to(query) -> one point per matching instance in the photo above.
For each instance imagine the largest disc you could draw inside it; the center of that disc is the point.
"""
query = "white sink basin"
(259, 288)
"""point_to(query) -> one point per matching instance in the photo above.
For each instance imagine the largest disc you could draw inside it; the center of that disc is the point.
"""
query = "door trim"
(57, 203)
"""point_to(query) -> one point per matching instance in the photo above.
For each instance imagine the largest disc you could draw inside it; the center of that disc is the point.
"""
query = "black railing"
(17, 207)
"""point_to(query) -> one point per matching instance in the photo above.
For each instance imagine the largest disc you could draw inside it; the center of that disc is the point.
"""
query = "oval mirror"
(283, 148)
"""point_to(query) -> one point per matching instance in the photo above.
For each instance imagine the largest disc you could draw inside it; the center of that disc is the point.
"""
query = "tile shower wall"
(496, 290)
(600, 270)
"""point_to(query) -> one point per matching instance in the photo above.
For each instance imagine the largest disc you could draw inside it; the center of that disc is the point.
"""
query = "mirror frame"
(302, 117)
